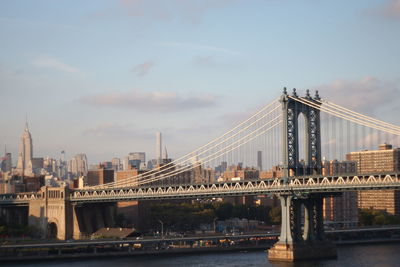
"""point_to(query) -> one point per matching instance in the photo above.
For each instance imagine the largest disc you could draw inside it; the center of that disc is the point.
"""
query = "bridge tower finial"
(284, 91)
(317, 95)
(308, 94)
(294, 92)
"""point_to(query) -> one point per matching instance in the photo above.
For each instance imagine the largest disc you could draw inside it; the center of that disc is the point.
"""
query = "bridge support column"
(296, 244)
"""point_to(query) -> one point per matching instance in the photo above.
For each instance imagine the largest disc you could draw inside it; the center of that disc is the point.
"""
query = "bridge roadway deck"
(296, 185)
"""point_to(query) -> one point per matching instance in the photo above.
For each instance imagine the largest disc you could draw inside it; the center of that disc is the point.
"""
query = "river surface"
(381, 255)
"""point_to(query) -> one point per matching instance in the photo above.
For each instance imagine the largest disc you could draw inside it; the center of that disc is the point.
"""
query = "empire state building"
(25, 152)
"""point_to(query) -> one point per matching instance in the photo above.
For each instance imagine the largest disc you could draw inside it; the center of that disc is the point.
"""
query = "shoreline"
(175, 251)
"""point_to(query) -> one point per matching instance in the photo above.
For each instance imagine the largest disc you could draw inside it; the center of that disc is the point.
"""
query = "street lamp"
(162, 228)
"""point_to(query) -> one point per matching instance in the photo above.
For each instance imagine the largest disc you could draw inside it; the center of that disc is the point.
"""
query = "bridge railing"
(19, 197)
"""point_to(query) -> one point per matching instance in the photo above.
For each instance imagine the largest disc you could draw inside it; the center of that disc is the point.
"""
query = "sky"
(102, 77)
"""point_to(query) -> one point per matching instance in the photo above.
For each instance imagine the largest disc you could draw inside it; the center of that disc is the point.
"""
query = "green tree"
(367, 217)
(224, 211)
(275, 215)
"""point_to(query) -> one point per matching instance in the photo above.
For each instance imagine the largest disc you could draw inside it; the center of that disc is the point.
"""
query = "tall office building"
(385, 159)
(6, 164)
(116, 164)
(137, 156)
(134, 159)
(158, 148)
(259, 160)
(78, 165)
(25, 152)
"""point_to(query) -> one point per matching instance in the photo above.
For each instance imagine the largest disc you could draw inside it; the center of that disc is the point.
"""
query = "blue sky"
(101, 77)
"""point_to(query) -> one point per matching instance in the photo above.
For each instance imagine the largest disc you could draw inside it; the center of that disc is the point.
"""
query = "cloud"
(152, 101)
(55, 64)
(388, 9)
(144, 68)
(120, 131)
(367, 95)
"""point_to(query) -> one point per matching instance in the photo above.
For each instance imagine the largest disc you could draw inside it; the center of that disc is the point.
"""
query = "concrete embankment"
(45, 253)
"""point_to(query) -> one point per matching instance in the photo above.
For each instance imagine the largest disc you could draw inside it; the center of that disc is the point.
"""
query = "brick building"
(385, 159)
(99, 176)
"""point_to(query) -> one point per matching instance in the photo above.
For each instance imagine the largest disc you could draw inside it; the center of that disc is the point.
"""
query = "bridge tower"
(302, 227)
(291, 109)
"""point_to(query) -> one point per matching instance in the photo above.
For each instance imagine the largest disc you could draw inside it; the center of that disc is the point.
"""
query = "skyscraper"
(137, 156)
(6, 163)
(158, 148)
(259, 160)
(78, 165)
(116, 164)
(134, 159)
(25, 152)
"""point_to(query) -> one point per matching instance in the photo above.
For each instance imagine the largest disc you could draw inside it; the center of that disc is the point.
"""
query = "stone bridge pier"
(302, 230)
(88, 218)
(56, 217)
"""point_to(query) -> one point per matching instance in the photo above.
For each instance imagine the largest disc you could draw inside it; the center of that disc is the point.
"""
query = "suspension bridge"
(296, 134)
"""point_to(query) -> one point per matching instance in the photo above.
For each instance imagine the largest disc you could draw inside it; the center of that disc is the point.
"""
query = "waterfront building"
(340, 210)
(237, 172)
(203, 175)
(336, 167)
(274, 172)
(385, 159)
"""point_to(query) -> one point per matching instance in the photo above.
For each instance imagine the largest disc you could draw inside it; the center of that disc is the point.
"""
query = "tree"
(367, 217)
(224, 211)
(275, 215)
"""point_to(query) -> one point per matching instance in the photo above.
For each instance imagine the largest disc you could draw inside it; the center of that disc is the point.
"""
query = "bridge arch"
(52, 229)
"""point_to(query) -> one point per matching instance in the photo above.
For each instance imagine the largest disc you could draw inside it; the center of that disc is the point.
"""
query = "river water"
(381, 255)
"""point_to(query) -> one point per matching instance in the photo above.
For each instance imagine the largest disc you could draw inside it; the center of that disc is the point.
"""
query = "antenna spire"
(26, 122)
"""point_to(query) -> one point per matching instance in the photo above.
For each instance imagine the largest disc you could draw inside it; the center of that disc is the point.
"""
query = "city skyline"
(122, 78)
